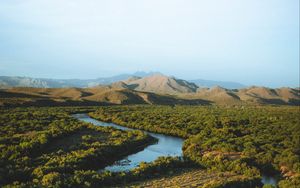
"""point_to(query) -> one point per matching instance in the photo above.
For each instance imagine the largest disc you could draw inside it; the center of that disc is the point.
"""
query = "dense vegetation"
(48, 147)
(240, 139)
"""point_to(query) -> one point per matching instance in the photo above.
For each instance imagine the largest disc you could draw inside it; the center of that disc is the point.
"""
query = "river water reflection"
(165, 146)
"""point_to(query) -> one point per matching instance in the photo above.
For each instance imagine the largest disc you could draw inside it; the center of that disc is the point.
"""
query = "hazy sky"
(247, 41)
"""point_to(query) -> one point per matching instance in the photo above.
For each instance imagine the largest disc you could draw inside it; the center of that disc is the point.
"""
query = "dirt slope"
(161, 84)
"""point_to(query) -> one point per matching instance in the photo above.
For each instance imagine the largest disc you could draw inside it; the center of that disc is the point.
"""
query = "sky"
(254, 42)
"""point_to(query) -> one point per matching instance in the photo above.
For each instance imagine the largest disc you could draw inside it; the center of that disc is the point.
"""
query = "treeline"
(41, 145)
(242, 139)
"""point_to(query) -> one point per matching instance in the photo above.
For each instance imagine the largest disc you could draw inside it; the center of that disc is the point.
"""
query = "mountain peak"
(159, 83)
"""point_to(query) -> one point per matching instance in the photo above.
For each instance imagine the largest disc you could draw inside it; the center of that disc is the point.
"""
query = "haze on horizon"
(253, 42)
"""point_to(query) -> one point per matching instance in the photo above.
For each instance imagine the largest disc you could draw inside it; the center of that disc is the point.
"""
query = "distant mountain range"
(157, 83)
(144, 89)
(15, 81)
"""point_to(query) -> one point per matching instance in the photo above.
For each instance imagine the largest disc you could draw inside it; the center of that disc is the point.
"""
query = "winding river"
(165, 146)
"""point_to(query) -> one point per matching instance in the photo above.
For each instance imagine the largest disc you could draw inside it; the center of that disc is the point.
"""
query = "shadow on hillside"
(11, 99)
(293, 102)
(170, 100)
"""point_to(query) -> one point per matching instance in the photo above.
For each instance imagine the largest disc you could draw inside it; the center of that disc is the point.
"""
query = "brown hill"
(216, 94)
(251, 95)
(119, 85)
(85, 96)
(265, 95)
(115, 96)
(62, 93)
(259, 92)
(288, 93)
(159, 83)
(179, 92)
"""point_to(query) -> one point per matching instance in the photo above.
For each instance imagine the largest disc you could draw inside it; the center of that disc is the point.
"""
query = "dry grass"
(190, 178)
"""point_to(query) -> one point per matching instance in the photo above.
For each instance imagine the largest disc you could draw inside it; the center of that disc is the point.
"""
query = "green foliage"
(239, 139)
(290, 183)
(46, 146)
(268, 186)
(162, 165)
(53, 179)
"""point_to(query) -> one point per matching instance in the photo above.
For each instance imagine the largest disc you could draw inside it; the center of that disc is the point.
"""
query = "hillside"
(267, 95)
(104, 95)
(159, 83)
(216, 94)
(151, 89)
(251, 95)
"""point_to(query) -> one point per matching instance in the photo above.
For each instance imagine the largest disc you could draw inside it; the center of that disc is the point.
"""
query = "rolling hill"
(103, 95)
(216, 94)
(151, 89)
(250, 95)
(159, 83)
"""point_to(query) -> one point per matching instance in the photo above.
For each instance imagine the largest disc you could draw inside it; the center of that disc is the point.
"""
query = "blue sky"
(255, 42)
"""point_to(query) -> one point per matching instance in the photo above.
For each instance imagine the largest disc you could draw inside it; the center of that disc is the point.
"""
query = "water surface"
(165, 146)
(269, 179)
